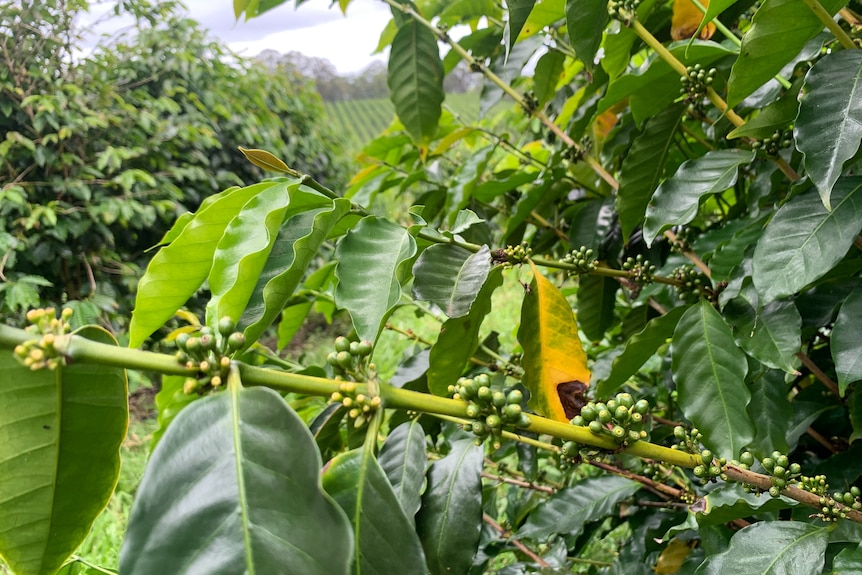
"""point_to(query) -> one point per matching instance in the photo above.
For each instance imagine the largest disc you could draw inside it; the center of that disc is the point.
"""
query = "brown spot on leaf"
(572, 397)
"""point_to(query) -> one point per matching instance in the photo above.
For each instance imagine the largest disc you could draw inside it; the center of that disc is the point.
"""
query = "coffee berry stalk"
(490, 407)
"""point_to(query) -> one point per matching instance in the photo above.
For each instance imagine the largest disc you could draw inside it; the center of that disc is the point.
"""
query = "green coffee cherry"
(642, 407)
(596, 427)
(485, 394)
(472, 411)
(589, 413)
(226, 325)
(364, 348)
(235, 341)
(498, 399)
(342, 344)
(515, 397)
(493, 421)
(344, 359)
(746, 458)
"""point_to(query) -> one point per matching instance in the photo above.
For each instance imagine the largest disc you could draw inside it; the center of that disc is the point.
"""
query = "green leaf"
(713, 9)
(177, 270)
(828, 129)
(385, 539)
(676, 200)
(728, 502)
(170, 400)
(772, 411)
(265, 160)
(803, 240)
(459, 337)
(519, 11)
(848, 561)
(416, 79)
(371, 260)
(60, 437)
(549, 70)
(450, 520)
(776, 116)
(570, 509)
(778, 32)
(293, 316)
(596, 300)
(773, 548)
(644, 165)
(638, 349)
(402, 459)
(450, 277)
(709, 370)
(845, 342)
(585, 22)
(234, 487)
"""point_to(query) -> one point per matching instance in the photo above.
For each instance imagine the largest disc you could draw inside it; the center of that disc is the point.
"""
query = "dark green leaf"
(234, 487)
(770, 334)
(416, 79)
(776, 116)
(847, 341)
(519, 11)
(772, 411)
(459, 337)
(371, 262)
(596, 300)
(639, 348)
(848, 561)
(778, 32)
(450, 519)
(771, 547)
(402, 459)
(677, 199)
(644, 166)
(570, 509)
(61, 433)
(386, 540)
(585, 22)
(804, 240)
(729, 502)
(713, 9)
(326, 429)
(854, 409)
(549, 69)
(450, 277)
(709, 370)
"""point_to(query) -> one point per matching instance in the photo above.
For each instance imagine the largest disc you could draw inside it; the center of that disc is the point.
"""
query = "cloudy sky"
(313, 29)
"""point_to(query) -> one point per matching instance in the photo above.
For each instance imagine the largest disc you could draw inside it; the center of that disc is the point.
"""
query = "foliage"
(713, 263)
(101, 154)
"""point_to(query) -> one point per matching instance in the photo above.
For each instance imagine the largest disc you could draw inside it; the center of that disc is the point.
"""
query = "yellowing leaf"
(686, 20)
(265, 160)
(555, 365)
(673, 556)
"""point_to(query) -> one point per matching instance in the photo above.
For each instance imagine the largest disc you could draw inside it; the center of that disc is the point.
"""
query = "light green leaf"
(177, 270)
(450, 277)
(416, 79)
(803, 240)
(639, 348)
(828, 129)
(459, 337)
(585, 22)
(234, 487)
(709, 370)
(402, 459)
(596, 300)
(570, 509)
(385, 539)
(644, 166)
(676, 200)
(771, 548)
(371, 262)
(450, 520)
(60, 437)
(846, 339)
(778, 32)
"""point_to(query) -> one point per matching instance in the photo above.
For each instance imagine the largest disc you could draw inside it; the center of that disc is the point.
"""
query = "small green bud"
(515, 397)
(679, 432)
(493, 421)
(226, 325)
(621, 413)
(588, 412)
(699, 471)
(636, 417)
(578, 420)
(512, 412)
(596, 427)
(569, 448)
(485, 394)
(498, 398)
(235, 341)
(768, 463)
(642, 406)
(472, 411)
(618, 431)
(626, 400)
(364, 348)
(774, 491)
(706, 456)
(344, 359)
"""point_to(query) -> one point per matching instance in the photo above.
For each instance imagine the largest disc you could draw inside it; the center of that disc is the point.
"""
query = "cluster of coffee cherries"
(583, 260)
(41, 353)
(640, 270)
(773, 144)
(835, 507)
(710, 467)
(517, 254)
(361, 407)
(692, 284)
(781, 472)
(689, 440)
(621, 418)
(489, 407)
(350, 360)
(695, 83)
(208, 352)
(623, 10)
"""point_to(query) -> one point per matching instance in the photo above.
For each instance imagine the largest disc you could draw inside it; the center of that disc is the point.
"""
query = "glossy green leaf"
(416, 79)
(459, 337)
(828, 129)
(293, 316)
(771, 548)
(596, 300)
(846, 338)
(60, 437)
(713, 9)
(728, 502)
(450, 277)
(402, 459)
(643, 166)
(372, 261)
(771, 409)
(570, 509)
(778, 32)
(776, 116)
(170, 400)
(385, 539)
(177, 270)
(676, 200)
(585, 22)
(803, 240)
(518, 11)
(638, 349)
(854, 410)
(450, 519)
(549, 70)
(848, 561)
(326, 429)
(234, 487)
(709, 370)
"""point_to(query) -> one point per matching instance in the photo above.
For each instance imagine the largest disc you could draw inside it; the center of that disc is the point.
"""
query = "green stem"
(824, 16)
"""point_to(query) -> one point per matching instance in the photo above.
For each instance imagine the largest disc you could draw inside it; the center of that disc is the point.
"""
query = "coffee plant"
(674, 188)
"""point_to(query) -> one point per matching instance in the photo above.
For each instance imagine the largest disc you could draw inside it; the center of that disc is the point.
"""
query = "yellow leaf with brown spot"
(686, 20)
(554, 362)
(673, 556)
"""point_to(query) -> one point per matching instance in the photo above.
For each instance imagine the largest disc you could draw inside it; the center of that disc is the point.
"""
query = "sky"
(313, 29)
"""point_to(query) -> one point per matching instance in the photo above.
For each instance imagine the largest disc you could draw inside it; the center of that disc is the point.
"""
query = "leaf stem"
(833, 26)
(505, 534)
